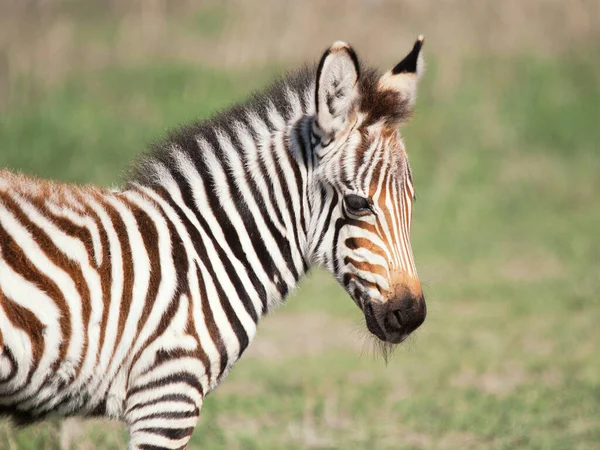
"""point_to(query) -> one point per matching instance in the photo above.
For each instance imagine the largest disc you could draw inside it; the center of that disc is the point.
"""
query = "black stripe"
(232, 240)
(170, 415)
(332, 207)
(161, 400)
(180, 377)
(338, 226)
(211, 324)
(232, 318)
(288, 204)
(170, 433)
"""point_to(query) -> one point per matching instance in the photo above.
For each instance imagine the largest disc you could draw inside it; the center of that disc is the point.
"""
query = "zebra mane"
(259, 103)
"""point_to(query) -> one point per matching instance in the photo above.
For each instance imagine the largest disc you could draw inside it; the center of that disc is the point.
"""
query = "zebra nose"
(405, 314)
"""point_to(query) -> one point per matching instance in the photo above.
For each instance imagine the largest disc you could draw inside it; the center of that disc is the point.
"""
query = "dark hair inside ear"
(379, 104)
(336, 90)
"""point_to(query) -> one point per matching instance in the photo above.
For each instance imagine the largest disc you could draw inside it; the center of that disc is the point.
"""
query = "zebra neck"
(242, 193)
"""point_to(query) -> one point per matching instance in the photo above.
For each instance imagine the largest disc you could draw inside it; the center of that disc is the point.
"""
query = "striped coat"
(135, 303)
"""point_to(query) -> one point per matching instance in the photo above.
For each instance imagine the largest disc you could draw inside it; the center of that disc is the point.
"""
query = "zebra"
(135, 303)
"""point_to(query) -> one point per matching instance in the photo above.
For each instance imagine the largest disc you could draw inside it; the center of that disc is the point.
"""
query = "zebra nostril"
(406, 316)
(398, 318)
(394, 322)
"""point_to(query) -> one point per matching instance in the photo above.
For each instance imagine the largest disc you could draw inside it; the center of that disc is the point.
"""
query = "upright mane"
(260, 104)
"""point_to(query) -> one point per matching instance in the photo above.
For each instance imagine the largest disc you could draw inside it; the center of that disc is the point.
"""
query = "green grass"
(505, 236)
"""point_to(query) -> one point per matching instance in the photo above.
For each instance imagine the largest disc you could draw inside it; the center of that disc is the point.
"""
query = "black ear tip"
(418, 44)
(409, 63)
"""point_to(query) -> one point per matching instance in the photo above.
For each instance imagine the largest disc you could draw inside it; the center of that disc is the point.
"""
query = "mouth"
(373, 324)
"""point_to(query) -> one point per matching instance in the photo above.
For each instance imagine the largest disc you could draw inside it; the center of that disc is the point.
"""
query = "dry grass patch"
(302, 335)
(499, 384)
(458, 440)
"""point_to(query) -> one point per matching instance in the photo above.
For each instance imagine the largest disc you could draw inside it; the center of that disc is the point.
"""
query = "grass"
(505, 236)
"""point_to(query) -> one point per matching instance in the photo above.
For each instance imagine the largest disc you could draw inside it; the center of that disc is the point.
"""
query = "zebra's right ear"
(403, 78)
(336, 90)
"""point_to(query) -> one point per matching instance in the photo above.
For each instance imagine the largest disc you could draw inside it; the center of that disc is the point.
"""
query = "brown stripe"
(354, 243)
(181, 263)
(362, 224)
(149, 235)
(72, 268)
(14, 256)
(104, 271)
(72, 229)
(26, 320)
(387, 213)
(373, 182)
(364, 283)
(128, 277)
(367, 267)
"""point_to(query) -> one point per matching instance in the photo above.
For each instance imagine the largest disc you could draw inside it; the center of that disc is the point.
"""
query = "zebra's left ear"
(403, 78)
(336, 90)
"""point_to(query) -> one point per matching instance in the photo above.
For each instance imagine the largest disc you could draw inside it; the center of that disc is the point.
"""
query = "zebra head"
(362, 173)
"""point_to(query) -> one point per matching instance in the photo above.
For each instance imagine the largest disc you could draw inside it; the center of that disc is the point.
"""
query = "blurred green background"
(505, 150)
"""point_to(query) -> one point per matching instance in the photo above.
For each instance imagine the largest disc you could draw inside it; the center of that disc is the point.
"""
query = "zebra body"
(136, 303)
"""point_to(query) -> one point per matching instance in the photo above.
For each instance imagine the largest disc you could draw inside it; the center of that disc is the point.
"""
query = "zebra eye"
(357, 205)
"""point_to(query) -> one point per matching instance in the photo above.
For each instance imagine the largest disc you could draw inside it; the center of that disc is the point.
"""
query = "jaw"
(374, 326)
(383, 345)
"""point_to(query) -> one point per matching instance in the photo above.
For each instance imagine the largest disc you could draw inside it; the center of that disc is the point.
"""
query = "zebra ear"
(404, 76)
(336, 90)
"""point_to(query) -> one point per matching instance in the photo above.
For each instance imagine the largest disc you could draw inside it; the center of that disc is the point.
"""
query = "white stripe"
(174, 337)
(293, 102)
(206, 341)
(367, 276)
(168, 276)
(19, 343)
(186, 364)
(239, 172)
(179, 406)
(42, 263)
(141, 277)
(76, 251)
(277, 121)
(149, 395)
(281, 153)
(225, 329)
(187, 422)
(226, 201)
(80, 221)
(29, 296)
(116, 294)
(157, 440)
(252, 169)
